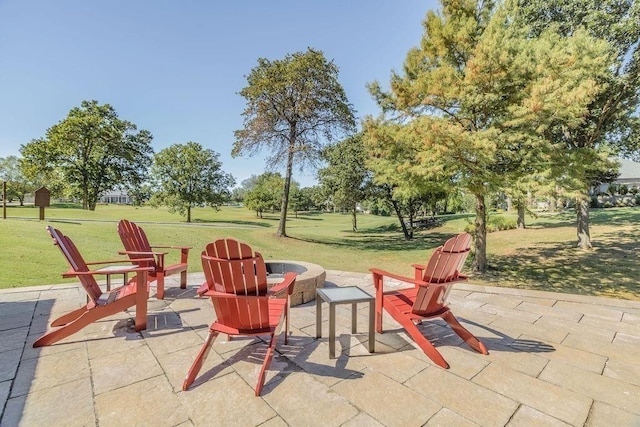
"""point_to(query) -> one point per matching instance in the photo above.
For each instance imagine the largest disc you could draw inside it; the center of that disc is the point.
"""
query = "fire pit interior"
(310, 276)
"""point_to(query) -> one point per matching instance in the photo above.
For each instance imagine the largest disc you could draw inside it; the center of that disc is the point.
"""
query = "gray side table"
(345, 295)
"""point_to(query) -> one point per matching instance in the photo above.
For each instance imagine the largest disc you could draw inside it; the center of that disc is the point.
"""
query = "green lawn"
(542, 256)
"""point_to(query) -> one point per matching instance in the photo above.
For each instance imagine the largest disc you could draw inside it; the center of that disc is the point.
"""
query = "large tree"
(346, 177)
(611, 123)
(187, 176)
(94, 150)
(294, 106)
(474, 98)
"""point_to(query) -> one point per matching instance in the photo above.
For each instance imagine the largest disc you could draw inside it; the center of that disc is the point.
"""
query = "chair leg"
(200, 358)
(426, 346)
(379, 307)
(183, 280)
(467, 336)
(86, 318)
(265, 364)
(377, 281)
(142, 294)
(69, 317)
(160, 285)
(286, 323)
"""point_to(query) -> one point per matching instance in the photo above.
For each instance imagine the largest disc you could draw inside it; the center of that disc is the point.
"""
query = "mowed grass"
(542, 257)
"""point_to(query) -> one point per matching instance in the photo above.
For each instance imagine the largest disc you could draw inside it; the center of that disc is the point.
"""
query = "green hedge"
(494, 223)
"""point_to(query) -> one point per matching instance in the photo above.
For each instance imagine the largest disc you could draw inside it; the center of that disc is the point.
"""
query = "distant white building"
(120, 197)
(629, 175)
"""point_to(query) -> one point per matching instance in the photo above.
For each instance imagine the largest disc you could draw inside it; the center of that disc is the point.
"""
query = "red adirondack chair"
(427, 299)
(100, 304)
(137, 246)
(237, 284)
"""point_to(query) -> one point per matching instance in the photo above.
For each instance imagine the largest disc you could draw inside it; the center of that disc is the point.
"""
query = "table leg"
(372, 331)
(354, 318)
(318, 316)
(332, 330)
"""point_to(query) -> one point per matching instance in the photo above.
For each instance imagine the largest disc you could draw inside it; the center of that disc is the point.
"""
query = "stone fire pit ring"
(310, 276)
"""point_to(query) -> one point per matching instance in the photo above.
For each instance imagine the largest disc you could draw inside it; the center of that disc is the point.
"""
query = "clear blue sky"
(175, 67)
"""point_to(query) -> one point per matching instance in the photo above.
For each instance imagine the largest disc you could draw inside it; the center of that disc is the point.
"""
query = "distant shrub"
(623, 189)
(607, 204)
(494, 223)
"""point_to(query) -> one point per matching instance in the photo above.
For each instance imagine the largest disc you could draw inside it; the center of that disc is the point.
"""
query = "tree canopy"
(188, 175)
(294, 106)
(473, 100)
(93, 150)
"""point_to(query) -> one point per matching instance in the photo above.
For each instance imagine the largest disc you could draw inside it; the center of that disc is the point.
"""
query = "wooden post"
(4, 199)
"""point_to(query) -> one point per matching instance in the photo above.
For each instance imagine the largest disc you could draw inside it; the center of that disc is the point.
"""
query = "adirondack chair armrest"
(116, 261)
(184, 251)
(152, 253)
(420, 267)
(289, 281)
(379, 274)
(132, 269)
(418, 271)
(159, 256)
(172, 247)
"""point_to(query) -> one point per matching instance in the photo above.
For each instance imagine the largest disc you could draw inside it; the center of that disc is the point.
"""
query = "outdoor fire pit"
(310, 276)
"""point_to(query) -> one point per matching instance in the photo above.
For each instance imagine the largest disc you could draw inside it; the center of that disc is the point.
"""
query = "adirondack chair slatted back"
(76, 262)
(234, 309)
(239, 269)
(134, 239)
(443, 269)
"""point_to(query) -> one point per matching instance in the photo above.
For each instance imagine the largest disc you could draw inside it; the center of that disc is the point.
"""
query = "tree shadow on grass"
(377, 242)
(610, 269)
(567, 218)
(233, 222)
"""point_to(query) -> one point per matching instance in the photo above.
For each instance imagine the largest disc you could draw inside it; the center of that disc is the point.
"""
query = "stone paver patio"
(555, 359)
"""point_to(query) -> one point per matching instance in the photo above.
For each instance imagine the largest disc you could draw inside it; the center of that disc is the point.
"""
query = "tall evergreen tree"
(475, 96)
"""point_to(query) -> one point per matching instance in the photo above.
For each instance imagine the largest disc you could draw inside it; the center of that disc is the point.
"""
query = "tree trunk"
(354, 220)
(92, 201)
(521, 210)
(480, 260)
(408, 235)
(582, 211)
(282, 225)
(189, 213)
